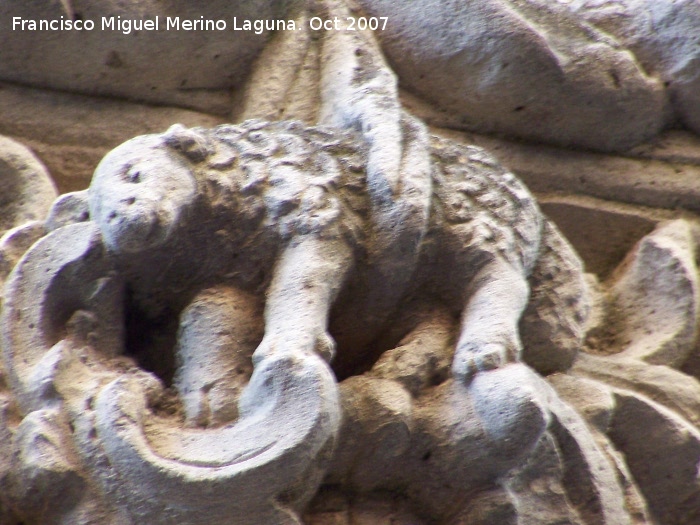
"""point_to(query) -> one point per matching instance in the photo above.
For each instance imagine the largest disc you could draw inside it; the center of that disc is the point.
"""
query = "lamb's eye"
(133, 175)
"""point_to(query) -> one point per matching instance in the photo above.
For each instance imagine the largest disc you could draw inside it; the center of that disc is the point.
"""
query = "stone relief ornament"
(600, 75)
(595, 74)
(330, 314)
(27, 195)
(223, 218)
(244, 252)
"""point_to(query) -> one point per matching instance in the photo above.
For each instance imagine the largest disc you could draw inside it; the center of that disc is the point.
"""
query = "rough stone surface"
(661, 175)
(71, 133)
(657, 286)
(611, 229)
(522, 68)
(116, 62)
(25, 185)
(663, 459)
(167, 333)
(159, 198)
(663, 37)
(15, 242)
(27, 192)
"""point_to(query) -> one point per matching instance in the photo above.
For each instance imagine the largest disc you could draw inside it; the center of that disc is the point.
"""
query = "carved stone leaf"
(656, 297)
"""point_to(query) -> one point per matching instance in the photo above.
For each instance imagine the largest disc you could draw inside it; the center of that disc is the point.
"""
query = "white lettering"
(316, 23)
(60, 24)
(259, 26)
(128, 26)
(199, 25)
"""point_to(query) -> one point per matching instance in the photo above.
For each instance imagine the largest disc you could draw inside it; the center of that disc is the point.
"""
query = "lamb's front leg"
(306, 281)
(489, 336)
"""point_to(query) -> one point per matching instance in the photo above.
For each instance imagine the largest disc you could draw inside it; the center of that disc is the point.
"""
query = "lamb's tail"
(553, 325)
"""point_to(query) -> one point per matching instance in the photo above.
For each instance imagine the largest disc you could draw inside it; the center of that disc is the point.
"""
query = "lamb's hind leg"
(218, 333)
(489, 335)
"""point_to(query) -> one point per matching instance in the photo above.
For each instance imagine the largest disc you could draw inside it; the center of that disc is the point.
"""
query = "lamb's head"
(141, 190)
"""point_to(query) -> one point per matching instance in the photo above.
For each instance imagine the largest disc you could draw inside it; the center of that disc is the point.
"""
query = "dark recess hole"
(615, 78)
(151, 340)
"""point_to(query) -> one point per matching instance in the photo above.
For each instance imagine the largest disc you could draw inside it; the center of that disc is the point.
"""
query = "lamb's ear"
(189, 142)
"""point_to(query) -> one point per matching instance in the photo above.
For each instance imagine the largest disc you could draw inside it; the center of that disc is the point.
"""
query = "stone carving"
(114, 63)
(523, 68)
(200, 191)
(238, 251)
(27, 194)
(661, 36)
(343, 320)
(594, 74)
(278, 209)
